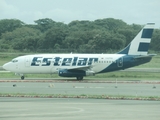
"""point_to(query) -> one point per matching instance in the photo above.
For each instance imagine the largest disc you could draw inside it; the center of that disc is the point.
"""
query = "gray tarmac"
(78, 88)
(77, 109)
(13, 108)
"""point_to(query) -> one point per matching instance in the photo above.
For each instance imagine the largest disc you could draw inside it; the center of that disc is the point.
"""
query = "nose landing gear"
(22, 76)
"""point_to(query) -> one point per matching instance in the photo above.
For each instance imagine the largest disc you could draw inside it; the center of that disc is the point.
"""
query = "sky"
(130, 11)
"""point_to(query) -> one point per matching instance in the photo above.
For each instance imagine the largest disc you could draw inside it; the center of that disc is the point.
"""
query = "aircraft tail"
(140, 44)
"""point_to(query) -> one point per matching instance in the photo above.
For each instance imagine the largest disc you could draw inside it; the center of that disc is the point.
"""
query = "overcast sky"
(130, 11)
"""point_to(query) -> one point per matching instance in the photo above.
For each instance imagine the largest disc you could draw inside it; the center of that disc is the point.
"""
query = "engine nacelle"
(90, 73)
(75, 73)
(71, 73)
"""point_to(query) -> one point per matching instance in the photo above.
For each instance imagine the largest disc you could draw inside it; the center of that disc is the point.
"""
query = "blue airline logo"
(147, 33)
(58, 61)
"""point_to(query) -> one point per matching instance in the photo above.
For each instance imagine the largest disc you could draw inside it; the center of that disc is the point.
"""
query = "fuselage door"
(27, 62)
(120, 62)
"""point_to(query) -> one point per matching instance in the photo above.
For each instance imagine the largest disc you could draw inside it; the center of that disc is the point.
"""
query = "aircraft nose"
(5, 66)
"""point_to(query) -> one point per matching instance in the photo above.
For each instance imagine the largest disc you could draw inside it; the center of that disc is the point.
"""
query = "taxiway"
(78, 88)
(77, 109)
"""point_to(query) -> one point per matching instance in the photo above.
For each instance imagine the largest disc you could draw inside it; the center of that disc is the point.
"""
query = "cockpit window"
(14, 60)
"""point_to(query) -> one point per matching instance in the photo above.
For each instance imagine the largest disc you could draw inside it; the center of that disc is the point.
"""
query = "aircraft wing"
(84, 68)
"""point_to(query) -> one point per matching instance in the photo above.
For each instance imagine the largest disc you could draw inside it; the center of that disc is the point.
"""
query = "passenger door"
(27, 62)
(120, 62)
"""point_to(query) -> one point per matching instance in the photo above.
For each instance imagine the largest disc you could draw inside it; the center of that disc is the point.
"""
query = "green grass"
(12, 75)
(119, 75)
(6, 57)
(123, 97)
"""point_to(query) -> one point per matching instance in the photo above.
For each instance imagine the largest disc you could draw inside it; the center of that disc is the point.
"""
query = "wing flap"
(84, 68)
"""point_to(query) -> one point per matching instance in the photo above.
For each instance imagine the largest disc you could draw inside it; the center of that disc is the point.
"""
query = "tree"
(106, 40)
(110, 24)
(54, 37)
(8, 25)
(22, 38)
(44, 24)
(78, 36)
(155, 44)
(83, 25)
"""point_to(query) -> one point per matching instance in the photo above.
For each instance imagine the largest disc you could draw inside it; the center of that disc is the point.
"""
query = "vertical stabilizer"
(140, 44)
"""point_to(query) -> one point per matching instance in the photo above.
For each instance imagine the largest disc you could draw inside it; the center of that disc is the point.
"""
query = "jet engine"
(75, 73)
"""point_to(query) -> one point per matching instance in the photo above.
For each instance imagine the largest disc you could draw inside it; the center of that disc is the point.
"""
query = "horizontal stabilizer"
(150, 55)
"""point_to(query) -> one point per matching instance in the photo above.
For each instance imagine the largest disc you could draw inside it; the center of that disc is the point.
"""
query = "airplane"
(80, 65)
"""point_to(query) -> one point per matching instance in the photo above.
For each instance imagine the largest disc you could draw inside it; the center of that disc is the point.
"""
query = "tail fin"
(140, 44)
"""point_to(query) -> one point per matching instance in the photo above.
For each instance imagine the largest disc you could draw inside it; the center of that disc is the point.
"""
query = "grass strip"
(119, 75)
(84, 96)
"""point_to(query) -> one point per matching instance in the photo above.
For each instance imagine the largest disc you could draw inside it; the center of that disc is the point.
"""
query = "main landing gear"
(79, 78)
(22, 77)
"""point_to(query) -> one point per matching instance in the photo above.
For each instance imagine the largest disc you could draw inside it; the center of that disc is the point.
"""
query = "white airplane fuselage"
(52, 63)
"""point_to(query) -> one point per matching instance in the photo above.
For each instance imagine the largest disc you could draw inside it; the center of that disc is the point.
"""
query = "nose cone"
(6, 66)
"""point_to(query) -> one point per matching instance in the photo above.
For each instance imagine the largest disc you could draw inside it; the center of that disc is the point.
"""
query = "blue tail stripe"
(143, 47)
(125, 50)
(147, 33)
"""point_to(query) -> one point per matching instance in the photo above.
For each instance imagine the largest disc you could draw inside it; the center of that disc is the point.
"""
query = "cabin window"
(14, 60)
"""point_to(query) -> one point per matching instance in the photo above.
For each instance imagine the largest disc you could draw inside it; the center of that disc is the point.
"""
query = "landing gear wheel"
(80, 78)
(22, 77)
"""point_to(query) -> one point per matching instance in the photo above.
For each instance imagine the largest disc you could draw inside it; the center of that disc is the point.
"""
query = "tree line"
(48, 36)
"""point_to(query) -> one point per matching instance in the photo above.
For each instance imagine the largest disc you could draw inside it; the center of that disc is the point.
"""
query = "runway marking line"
(78, 110)
(88, 87)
